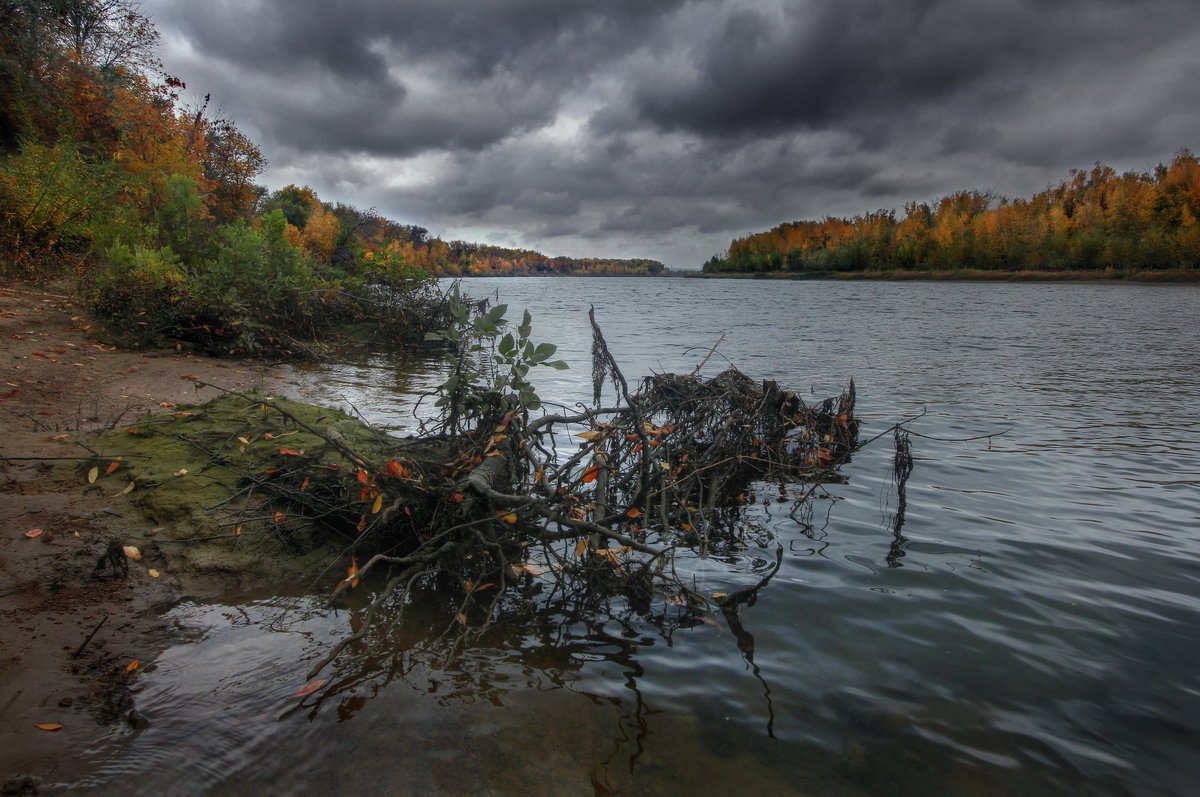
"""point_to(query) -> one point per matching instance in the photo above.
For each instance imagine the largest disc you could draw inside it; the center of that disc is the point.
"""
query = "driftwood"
(592, 503)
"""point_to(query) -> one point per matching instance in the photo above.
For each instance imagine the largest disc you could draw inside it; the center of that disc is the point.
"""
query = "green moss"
(198, 471)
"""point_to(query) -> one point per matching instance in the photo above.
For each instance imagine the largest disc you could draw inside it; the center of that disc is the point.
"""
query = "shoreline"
(70, 640)
(1173, 277)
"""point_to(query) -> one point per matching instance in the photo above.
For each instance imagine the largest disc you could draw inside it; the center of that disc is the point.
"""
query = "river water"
(1033, 631)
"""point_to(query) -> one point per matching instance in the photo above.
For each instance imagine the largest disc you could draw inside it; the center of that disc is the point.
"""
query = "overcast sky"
(663, 128)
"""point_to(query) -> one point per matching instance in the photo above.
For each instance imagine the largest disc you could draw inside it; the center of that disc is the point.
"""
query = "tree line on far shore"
(1095, 221)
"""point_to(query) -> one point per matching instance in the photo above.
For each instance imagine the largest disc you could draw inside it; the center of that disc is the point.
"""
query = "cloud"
(664, 129)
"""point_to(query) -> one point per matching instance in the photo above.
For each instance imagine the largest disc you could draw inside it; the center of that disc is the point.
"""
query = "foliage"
(49, 199)
(489, 366)
(1094, 221)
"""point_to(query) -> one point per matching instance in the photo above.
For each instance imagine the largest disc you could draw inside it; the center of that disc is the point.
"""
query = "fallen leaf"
(132, 552)
(168, 404)
(509, 517)
(580, 547)
(461, 618)
(633, 512)
(394, 468)
(133, 665)
(362, 476)
(311, 687)
(482, 587)
(280, 517)
(237, 531)
(711, 622)
(49, 726)
(457, 498)
(33, 533)
(288, 452)
(720, 595)
(126, 491)
(153, 573)
(378, 505)
(244, 441)
(60, 437)
(93, 474)
(112, 466)
(268, 436)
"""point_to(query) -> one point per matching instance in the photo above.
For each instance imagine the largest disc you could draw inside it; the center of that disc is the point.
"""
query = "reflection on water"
(1024, 622)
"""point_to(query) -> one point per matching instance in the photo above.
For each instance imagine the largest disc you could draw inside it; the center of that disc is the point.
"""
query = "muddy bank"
(71, 634)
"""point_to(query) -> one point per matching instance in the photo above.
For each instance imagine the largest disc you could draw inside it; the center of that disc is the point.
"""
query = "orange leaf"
(132, 552)
(510, 517)
(633, 512)
(580, 547)
(394, 468)
(311, 687)
(49, 726)
(132, 430)
(237, 531)
(362, 476)
(133, 665)
(33, 533)
(287, 452)
(280, 517)
(153, 573)
(112, 466)
(590, 474)
(457, 498)
(711, 622)
(482, 587)
(655, 442)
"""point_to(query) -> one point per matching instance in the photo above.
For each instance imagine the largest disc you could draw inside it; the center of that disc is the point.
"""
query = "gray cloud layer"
(663, 129)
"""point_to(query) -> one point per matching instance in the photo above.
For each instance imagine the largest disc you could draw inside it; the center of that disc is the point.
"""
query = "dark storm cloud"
(666, 128)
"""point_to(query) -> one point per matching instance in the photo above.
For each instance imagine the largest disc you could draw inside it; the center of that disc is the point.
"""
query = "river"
(1033, 631)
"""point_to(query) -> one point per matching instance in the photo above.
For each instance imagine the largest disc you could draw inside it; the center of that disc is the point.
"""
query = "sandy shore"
(58, 381)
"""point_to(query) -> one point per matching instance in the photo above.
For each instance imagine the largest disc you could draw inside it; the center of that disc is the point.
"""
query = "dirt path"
(57, 382)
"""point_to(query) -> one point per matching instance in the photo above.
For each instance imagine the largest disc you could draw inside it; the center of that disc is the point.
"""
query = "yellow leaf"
(132, 552)
(49, 726)
(244, 441)
(510, 517)
(720, 595)
(580, 547)
(126, 491)
(153, 573)
(181, 472)
(133, 665)
(461, 618)
(378, 505)
(93, 474)
(591, 435)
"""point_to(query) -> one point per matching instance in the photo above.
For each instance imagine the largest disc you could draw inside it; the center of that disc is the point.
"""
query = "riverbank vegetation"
(107, 177)
(1096, 223)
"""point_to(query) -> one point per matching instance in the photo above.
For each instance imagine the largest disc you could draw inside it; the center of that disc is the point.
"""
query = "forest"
(108, 178)
(1096, 221)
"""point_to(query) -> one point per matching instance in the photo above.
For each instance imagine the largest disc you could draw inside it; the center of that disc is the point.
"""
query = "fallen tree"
(494, 505)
